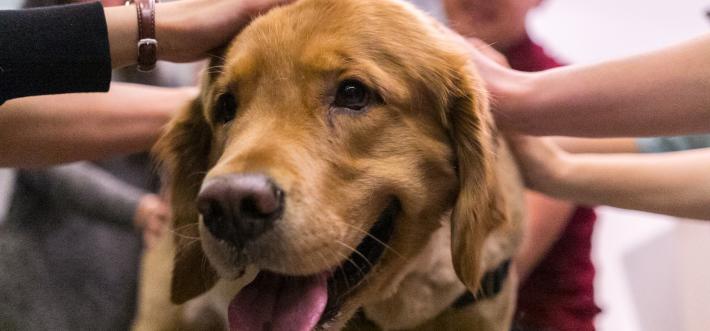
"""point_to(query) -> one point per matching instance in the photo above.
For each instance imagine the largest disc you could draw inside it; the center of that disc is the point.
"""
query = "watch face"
(435, 8)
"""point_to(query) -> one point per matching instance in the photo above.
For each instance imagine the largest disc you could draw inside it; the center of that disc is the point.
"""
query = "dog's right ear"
(183, 150)
(480, 206)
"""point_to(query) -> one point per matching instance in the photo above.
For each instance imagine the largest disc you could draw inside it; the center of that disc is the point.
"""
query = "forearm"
(46, 130)
(122, 23)
(675, 184)
(89, 190)
(660, 93)
(597, 145)
(545, 219)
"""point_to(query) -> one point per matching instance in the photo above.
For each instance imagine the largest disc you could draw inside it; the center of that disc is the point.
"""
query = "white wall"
(653, 271)
(6, 179)
(9, 4)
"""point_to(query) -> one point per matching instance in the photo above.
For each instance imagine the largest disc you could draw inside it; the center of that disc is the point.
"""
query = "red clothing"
(559, 293)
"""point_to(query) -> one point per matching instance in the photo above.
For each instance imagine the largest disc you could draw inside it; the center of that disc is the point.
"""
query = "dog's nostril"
(212, 215)
(262, 204)
(249, 208)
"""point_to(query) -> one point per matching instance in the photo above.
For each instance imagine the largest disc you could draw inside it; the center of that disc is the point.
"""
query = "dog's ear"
(184, 149)
(478, 208)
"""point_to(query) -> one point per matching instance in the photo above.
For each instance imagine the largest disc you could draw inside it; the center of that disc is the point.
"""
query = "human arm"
(597, 145)
(186, 30)
(99, 195)
(659, 93)
(672, 183)
(632, 145)
(69, 49)
(545, 220)
(44, 130)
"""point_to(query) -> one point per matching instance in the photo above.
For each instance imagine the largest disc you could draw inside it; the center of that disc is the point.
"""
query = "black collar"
(491, 284)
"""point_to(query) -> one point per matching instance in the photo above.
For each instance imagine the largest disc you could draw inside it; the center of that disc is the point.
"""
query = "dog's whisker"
(184, 226)
(362, 274)
(350, 261)
(325, 260)
(182, 236)
(218, 57)
(178, 231)
(385, 245)
(342, 271)
(214, 71)
(354, 250)
(203, 267)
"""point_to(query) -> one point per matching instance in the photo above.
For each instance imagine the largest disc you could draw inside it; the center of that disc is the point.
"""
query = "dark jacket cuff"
(54, 50)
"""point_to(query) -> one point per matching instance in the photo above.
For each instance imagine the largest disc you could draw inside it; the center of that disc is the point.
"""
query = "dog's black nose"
(239, 208)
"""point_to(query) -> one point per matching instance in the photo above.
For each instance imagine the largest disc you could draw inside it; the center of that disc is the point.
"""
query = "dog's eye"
(352, 94)
(226, 108)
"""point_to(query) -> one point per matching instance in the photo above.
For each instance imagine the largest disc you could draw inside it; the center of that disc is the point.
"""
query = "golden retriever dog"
(340, 170)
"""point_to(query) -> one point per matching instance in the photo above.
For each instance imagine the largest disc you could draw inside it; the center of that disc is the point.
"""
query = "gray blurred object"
(434, 8)
(69, 252)
(672, 144)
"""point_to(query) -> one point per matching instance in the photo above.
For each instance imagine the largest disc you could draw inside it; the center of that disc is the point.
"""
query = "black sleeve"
(53, 50)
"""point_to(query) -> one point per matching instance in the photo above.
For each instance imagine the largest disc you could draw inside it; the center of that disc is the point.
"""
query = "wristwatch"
(147, 44)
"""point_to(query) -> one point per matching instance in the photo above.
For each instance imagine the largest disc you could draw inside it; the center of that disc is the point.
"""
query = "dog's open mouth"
(279, 302)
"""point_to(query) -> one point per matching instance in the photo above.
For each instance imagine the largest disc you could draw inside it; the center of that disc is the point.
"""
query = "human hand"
(542, 163)
(188, 30)
(151, 218)
(506, 86)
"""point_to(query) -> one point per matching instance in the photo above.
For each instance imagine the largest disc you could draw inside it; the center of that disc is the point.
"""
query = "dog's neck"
(430, 285)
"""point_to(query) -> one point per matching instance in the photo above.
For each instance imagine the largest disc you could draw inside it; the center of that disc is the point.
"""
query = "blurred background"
(653, 271)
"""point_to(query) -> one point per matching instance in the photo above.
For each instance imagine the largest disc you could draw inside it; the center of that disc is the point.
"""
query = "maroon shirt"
(559, 293)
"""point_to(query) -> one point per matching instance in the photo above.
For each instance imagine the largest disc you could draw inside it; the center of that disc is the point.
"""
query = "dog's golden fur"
(429, 143)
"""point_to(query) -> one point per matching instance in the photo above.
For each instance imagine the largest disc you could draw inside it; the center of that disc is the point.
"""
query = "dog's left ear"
(479, 207)
(183, 149)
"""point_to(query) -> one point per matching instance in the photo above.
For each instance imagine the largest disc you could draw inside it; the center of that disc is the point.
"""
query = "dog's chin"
(277, 301)
(229, 262)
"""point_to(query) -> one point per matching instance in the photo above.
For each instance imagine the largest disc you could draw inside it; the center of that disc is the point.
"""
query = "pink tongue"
(279, 303)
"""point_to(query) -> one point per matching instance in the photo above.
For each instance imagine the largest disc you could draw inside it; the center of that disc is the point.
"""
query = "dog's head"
(324, 150)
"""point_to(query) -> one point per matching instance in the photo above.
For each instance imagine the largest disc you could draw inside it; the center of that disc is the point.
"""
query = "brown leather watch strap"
(147, 44)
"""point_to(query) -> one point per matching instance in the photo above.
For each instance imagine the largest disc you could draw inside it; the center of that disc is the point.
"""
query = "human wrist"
(519, 97)
(563, 178)
(168, 29)
(122, 24)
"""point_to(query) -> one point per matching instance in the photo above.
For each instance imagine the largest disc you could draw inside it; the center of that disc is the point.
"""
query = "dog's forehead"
(389, 41)
(308, 28)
